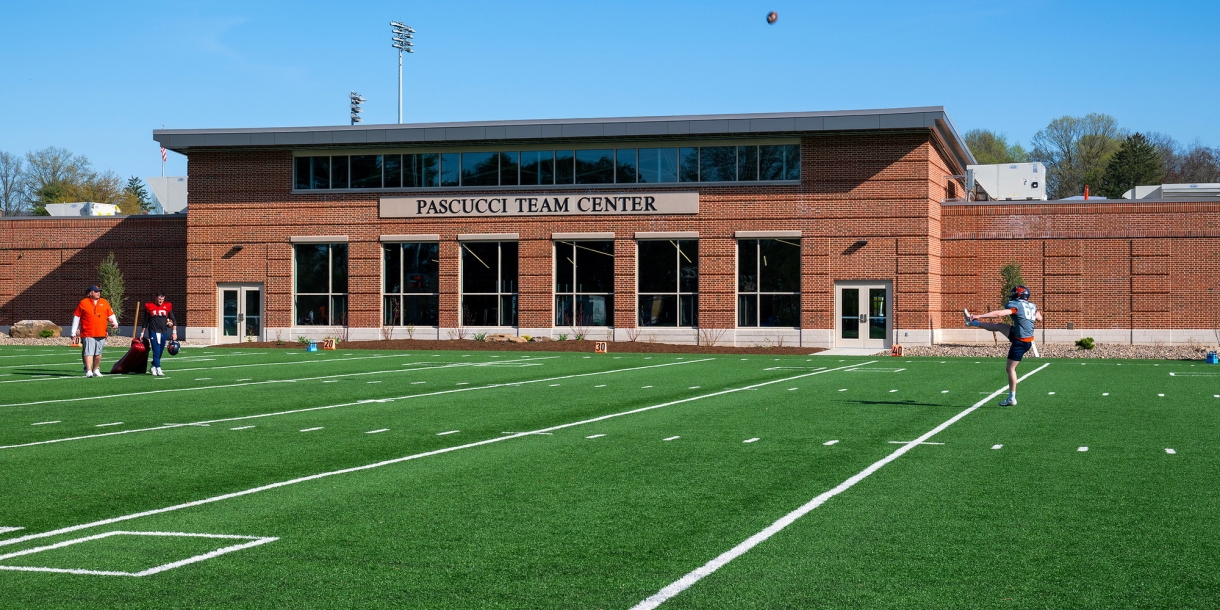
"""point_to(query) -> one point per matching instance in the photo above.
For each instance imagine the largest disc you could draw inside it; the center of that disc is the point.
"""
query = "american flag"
(163, 159)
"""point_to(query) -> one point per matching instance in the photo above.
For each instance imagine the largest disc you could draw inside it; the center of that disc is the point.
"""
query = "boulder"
(519, 340)
(499, 337)
(30, 329)
(543, 339)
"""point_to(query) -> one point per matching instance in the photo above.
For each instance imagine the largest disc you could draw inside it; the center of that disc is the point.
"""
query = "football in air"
(772, 17)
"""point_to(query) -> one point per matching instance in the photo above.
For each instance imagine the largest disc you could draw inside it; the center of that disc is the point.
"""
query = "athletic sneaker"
(969, 322)
(97, 372)
(1009, 402)
(88, 373)
(158, 372)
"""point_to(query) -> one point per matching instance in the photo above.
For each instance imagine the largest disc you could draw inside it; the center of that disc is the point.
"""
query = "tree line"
(55, 175)
(1096, 151)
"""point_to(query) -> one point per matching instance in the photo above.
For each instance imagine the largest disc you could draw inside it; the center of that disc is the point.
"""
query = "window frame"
(678, 293)
(575, 294)
(330, 294)
(444, 158)
(500, 293)
(402, 284)
(758, 293)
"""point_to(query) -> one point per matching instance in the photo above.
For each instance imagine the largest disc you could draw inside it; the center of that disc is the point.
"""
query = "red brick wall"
(1094, 265)
(46, 263)
(854, 186)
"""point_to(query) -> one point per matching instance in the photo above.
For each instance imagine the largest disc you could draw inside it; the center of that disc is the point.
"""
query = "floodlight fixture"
(356, 100)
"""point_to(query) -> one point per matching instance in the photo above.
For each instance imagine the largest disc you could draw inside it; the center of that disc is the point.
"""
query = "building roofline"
(932, 118)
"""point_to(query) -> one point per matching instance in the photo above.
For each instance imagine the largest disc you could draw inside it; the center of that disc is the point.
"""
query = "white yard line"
(358, 402)
(378, 431)
(828, 443)
(710, 567)
(672, 438)
(235, 366)
(272, 381)
(416, 456)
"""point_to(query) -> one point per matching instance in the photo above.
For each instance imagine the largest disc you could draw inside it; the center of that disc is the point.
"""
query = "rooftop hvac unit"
(1007, 181)
(1166, 192)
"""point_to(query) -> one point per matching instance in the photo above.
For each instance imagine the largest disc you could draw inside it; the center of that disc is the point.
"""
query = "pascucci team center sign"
(622, 204)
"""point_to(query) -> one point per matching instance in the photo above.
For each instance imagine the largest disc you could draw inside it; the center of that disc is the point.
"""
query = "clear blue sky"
(98, 77)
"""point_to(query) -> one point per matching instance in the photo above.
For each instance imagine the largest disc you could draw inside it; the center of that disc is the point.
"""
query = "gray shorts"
(93, 346)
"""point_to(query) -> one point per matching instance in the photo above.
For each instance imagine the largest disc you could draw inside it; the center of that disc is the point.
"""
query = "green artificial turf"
(560, 520)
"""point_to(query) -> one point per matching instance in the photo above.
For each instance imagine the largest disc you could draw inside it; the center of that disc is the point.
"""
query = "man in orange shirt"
(89, 322)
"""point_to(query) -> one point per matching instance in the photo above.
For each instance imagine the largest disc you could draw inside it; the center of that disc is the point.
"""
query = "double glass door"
(865, 315)
(241, 313)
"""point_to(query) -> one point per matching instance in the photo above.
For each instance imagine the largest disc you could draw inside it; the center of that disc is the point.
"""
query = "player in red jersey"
(162, 327)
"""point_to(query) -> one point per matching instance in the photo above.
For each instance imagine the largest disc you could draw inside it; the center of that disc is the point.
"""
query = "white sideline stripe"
(312, 429)
(595, 436)
(271, 381)
(828, 443)
(44, 423)
(909, 442)
(254, 541)
(1170, 451)
(238, 494)
(710, 567)
(997, 446)
(240, 366)
(447, 432)
(114, 423)
(242, 428)
(672, 438)
(750, 440)
(377, 431)
(5, 530)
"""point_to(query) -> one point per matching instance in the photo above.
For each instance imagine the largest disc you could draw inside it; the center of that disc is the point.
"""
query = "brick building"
(819, 229)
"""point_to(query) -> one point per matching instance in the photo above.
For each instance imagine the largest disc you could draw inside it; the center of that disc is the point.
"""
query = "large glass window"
(508, 168)
(584, 283)
(538, 167)
(480, 169)
(320, 284)
(564, 169)
(450, 169)
(410, 292)
(768, 282)
(658, 165)
(544, 167)
(668, 282)
(625, 165)
(688, 164)
(489, 283)
(595, 167)
(781, 162)
(366, 171)
(421, 170)
(718, 163)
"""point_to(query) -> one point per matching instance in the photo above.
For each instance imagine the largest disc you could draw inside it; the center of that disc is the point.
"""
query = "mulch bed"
(620, 347)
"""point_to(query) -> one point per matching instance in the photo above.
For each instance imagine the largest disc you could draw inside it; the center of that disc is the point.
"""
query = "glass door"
(863, 315)
(241, 313)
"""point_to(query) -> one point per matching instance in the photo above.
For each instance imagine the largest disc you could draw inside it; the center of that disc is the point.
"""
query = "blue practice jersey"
(1023, 313)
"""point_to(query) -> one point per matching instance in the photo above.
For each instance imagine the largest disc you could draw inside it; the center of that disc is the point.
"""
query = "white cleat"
(97, 372)
(88, 374)
(1009, 402)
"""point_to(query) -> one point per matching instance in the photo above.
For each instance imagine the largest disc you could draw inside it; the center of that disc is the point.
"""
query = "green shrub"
(46, 333)
(579, 337)
(480, 336)
(303, 340)
(562, 337)
(1085, 343)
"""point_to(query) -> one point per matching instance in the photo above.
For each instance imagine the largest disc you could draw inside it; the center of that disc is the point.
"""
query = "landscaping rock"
(30, 329)
(1065, 350)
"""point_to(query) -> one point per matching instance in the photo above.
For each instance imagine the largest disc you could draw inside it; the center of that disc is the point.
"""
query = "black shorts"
(1016, 351)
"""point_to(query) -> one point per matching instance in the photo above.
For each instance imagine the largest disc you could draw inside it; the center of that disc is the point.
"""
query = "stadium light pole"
(402, 41)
